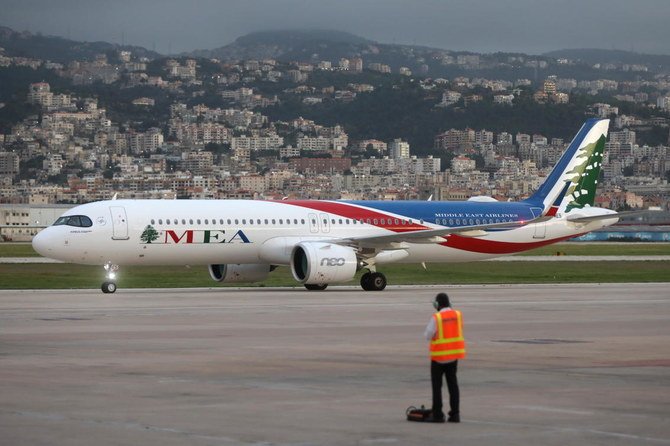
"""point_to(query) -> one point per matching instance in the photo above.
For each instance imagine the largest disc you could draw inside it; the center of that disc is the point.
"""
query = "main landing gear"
(109, 285)
(370, 281)
(373, 281)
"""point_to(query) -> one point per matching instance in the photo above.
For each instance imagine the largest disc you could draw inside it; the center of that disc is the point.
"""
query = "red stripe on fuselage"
(367, 215)
(483, 246)
(471, 244)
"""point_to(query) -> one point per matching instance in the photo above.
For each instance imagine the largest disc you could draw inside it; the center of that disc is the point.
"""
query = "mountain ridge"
(59, 49)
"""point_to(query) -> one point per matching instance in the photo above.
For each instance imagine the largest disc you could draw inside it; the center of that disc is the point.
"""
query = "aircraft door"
(313, 223)
(540, 228)
(325, 225)
(119, 223)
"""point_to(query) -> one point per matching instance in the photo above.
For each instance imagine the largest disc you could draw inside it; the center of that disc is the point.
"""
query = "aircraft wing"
(426, 235)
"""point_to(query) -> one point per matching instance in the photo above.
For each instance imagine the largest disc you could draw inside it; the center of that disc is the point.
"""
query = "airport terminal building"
(20, 222)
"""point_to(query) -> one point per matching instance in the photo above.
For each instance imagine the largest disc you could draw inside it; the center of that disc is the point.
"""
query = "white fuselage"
(202, 232)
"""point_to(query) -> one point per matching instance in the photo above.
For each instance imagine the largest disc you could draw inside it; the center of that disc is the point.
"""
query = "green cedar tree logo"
(149, 235)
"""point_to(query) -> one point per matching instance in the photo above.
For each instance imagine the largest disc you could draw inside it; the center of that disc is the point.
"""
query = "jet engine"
(323, 263)
(232, 273)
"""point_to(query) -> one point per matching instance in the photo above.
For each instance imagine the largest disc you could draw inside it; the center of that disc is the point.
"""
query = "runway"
(547, 365)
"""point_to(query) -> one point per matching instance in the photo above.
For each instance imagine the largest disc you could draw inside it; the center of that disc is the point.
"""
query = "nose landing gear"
(109, 285)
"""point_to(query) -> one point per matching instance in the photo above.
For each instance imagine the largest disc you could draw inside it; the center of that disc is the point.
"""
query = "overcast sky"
(529, 26)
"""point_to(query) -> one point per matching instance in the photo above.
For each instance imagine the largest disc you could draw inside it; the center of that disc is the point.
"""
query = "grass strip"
(65, 276)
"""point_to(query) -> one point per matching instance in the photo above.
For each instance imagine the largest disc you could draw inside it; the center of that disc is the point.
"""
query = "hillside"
(593, 56)
(290, 45)
(58, 49)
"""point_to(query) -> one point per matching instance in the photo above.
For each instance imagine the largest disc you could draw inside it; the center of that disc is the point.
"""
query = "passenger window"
(340, 221)
(302, 221)
(206, 221)
(153, 222)
(332, 221)
(198, 221)
(229, 222)
(396, 221)
(167, 221)
(244, 221)
(237, 222)
(471, 222)
(347, 221)
(190, 222)
(266, 221)
(274, 221)
(477, 221)
(221, 221)
(295, 221)
(251, 221)
(183, 221)
(160, 221)
(281, 221)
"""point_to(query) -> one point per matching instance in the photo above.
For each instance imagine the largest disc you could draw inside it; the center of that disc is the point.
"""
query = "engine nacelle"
(232, 273)
(322, 263)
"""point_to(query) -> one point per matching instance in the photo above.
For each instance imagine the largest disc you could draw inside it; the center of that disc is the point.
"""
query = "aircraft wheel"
(108, 287)
(316, 287)
(365, 281)
(376, 282)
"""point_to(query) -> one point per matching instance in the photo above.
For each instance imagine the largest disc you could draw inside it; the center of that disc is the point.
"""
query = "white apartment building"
(398, 149)
(256, 142)
(663, 102)
(338, 142)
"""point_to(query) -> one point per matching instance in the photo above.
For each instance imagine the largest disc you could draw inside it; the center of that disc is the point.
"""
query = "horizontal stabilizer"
(580, 218)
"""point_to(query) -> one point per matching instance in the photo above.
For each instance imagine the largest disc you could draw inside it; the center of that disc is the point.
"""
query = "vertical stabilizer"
(572, 183)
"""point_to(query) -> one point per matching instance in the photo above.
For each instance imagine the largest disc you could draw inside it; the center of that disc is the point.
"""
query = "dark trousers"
(438, 369)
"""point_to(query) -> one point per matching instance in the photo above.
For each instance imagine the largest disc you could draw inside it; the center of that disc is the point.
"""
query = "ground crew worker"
(447, 346)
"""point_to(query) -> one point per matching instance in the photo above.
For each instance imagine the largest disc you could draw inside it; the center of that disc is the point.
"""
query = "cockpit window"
(80, 221)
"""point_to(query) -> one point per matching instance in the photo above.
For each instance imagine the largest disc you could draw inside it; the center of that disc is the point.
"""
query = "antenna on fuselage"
(114, 197)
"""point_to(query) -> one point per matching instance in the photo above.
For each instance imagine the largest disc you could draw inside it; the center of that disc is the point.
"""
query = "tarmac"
(547, 365)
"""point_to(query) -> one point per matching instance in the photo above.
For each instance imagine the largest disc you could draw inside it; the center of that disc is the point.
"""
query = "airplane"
(328, 242)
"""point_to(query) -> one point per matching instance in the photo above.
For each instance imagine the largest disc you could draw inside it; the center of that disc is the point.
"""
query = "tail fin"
(572, 183)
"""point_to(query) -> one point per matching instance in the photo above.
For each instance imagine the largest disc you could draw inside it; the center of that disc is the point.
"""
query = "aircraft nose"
(43, 243)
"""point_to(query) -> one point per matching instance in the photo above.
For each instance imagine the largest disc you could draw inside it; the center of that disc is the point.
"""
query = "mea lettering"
(191, 236)
(333, 261)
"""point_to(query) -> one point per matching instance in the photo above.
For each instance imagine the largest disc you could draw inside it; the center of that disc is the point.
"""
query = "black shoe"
(435, 419)
(454, 419)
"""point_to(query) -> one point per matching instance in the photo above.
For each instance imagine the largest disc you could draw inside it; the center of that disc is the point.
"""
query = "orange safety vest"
(447, 343)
